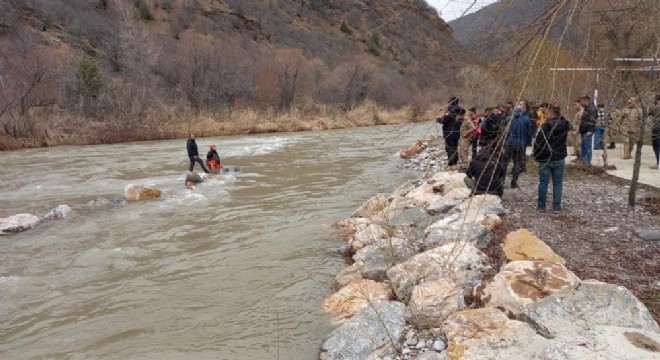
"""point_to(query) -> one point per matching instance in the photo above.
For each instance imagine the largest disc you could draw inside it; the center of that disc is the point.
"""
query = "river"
(231, 270)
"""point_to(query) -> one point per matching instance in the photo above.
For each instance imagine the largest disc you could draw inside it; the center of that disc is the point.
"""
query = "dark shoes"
(612, 146)
(514, 184)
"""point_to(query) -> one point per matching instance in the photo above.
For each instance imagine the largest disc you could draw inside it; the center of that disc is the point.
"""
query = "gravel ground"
(595, 230)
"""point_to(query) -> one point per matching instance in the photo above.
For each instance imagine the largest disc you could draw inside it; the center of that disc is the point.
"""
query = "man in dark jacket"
(550, 152)
(193, 154)
(490, 128)
(587, 128)
(451, 130)
(484, 175)
(518, 129)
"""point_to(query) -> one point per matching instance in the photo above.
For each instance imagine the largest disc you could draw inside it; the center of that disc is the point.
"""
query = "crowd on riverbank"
(439, 273)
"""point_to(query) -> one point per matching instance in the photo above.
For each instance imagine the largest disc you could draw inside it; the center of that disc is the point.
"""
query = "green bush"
(374, 44)
(345, 28)
(88, 80)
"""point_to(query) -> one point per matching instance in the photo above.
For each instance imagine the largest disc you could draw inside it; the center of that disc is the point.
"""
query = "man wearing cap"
(451, 130)
(193, 154)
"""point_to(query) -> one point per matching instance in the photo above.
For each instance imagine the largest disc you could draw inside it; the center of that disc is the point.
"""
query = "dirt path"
(594, 232)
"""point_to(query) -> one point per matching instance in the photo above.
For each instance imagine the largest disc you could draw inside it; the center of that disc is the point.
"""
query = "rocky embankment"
(420, 286)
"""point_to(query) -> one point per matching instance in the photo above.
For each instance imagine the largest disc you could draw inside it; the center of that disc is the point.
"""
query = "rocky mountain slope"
(93, 58)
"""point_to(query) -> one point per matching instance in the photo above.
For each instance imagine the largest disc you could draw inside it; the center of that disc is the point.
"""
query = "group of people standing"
(505, 132)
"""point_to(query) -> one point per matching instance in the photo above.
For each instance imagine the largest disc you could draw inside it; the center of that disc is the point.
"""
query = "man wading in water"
(193, 154)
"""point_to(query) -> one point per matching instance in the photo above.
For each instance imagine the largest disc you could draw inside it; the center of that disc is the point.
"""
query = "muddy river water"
(235, 269)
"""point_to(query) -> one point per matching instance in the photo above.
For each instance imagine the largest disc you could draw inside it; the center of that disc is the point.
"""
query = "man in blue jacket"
(451, 130)
(518, 129)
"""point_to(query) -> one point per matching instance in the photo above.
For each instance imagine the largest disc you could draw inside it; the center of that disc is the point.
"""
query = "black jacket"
(486, 171)
(550, 143)
(451, 128)
(212, 154)
(490, 128)
(588, 119)
(654, 113)
(191, 145)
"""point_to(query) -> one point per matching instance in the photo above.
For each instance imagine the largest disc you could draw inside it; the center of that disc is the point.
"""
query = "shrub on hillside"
(144, 10)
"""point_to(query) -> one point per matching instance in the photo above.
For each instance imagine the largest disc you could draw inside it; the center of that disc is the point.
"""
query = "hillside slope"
(116, 60)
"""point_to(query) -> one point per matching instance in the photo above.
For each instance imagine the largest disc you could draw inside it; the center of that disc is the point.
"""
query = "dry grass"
(167, 123)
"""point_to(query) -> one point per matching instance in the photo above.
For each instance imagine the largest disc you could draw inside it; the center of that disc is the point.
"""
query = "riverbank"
(168, 124)
(436, 274)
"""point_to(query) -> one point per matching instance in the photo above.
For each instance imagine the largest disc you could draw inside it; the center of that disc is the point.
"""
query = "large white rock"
(589, 303)
(470, 226)
(423, 195)
(460, 261)
(347, 276)
(448, 201)
(372, 206)
(382, 255)
(432, 302)
(523, 245)
(488, 334)
(356, 296)
(18, 223)
(520, 284)
(446, 181)
(370, 234)
(375, 327)
(482, 205)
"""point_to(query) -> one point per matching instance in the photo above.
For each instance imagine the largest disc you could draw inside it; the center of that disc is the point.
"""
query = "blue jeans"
(599, 142)
(554, 170)
(585, 148)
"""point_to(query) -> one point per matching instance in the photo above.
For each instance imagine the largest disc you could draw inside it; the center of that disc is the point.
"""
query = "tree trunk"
(638, 159)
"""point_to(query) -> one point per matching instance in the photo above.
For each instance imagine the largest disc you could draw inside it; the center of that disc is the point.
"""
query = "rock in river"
(60, 212)
(141, 192)
(18, 223)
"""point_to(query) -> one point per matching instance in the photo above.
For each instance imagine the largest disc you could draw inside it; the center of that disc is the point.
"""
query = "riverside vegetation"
(102, 71)
(421, 285)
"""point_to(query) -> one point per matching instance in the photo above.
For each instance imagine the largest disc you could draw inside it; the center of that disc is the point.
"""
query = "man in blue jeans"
(550, 152)
(587, 128)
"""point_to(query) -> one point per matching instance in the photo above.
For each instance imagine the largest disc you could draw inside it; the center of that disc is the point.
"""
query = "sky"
(452, 9)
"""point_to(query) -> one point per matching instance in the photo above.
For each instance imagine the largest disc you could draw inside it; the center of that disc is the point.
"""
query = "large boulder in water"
(18, 223)
(193, 177)
(141, 192)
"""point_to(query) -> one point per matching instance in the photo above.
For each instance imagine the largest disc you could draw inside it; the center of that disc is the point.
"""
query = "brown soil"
(594, 232)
